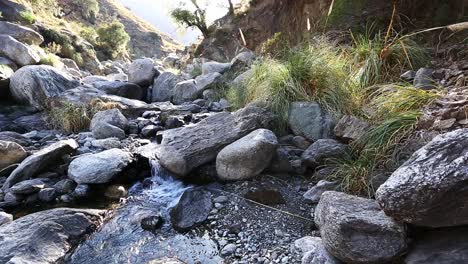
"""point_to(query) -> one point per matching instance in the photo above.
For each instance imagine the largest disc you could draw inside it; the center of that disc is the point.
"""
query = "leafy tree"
(192, 19)
(112, 39)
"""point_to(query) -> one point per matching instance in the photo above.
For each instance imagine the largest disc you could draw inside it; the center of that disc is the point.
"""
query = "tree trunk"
(231, 8)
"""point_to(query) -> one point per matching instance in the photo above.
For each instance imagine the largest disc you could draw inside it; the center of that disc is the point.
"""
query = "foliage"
(196, 71)
(275, 47)
(50, 59)
(28, 16)
(191, 19)
(73, 118)
(112, 39)
(89, 9)
(89, 34)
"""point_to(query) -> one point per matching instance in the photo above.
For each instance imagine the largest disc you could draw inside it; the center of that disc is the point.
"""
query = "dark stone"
(151, 223)
(192, 209)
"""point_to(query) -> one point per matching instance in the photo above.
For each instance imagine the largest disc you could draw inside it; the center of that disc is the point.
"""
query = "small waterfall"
(122, 240)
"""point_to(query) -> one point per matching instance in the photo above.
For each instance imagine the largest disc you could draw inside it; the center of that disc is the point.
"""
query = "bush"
(50, 59)
(29, 17)
(89, 9)
(89, 34)
(113, 39)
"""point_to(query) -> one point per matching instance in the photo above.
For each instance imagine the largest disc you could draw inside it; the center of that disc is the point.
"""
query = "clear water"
(122, 240)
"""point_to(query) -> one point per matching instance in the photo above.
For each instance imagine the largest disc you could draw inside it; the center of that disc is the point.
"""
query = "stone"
(314, 194)
(123, 89)
(424, 79)
(314, 252)
(213, 66)
(15, 137)
(34, 85)
(287, 159)
(445, 245)
(246, 157)
(40, 161)
(150, 130)
(208, 81)
(98, 168)
(171, 61)
(429, 188)
(300, 142)
(21, 33)
(115, 192)
(69, 63)
(151, 223)
(228, 250)
(242, 78)
(307, 119)
(321, 151)
(47, 236)
(142, 72)
(47, 194)
(163, 87)
(65, 186)
(5, 218)
(27, 187)
(94, 78)
(186, 148)
(408, 76)
(356, 230)
(185, 91)
(166, 261)
(18, 52)
(193, 209)
(245, 58)
(11, 153)
(107, 143)
(81, 191)
(351, 128)
(109, 123)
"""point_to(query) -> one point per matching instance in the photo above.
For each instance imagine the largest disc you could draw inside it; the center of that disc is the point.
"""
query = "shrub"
(89, 9)
(50, 59)
(113, 39)
(28, 16)
(89, 34)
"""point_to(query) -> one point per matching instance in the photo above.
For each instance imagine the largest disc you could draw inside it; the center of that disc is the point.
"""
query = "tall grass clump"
(377, 60)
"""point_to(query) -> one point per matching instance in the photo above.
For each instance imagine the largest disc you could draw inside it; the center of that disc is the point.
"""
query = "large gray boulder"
(11, 153)
(356, 230)
(208, 81)
(142, 72)
(351, 128)
(28, 187)
(445, 245)
(314, 252)
(34, 85)
(213, 66)
(46, 237)
(246, 157)
(21, 33)
(109, 123)
(123, 89)
(430, 188)
(321, 151)
(163, 87)
(185, 91)
(307, 119)
(193, 208)
(40, 161)
(18, 52)
(184, 149)
(98, 168)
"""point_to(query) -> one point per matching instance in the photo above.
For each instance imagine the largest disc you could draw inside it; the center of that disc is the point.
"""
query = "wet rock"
(11, 153)
(424, 79)
(115, 192)
(213, 66)
(429, 188)
(18, 52)
(173, 122)
(47, 194)
(446, 245)
(307, 119)
(142, 72)
(184, 149)
(47, 236)
(109, 123)
(246, 157)
(5, 218)
(185, 91)
(123, 89)
(21, 33)
(151, 223)
(34, 85)
(351, 128)
(356, 230)
(163, 87)
(192, 209)
(321, 151)
(27, 187)
(99, 168)
(150, 130)
(314, 194)
(40, 161)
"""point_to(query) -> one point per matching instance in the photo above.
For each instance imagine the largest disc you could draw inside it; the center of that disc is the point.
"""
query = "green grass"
(28, 16)
(50, 59)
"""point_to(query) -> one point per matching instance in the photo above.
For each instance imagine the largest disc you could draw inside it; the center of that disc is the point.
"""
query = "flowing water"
(122, 240)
